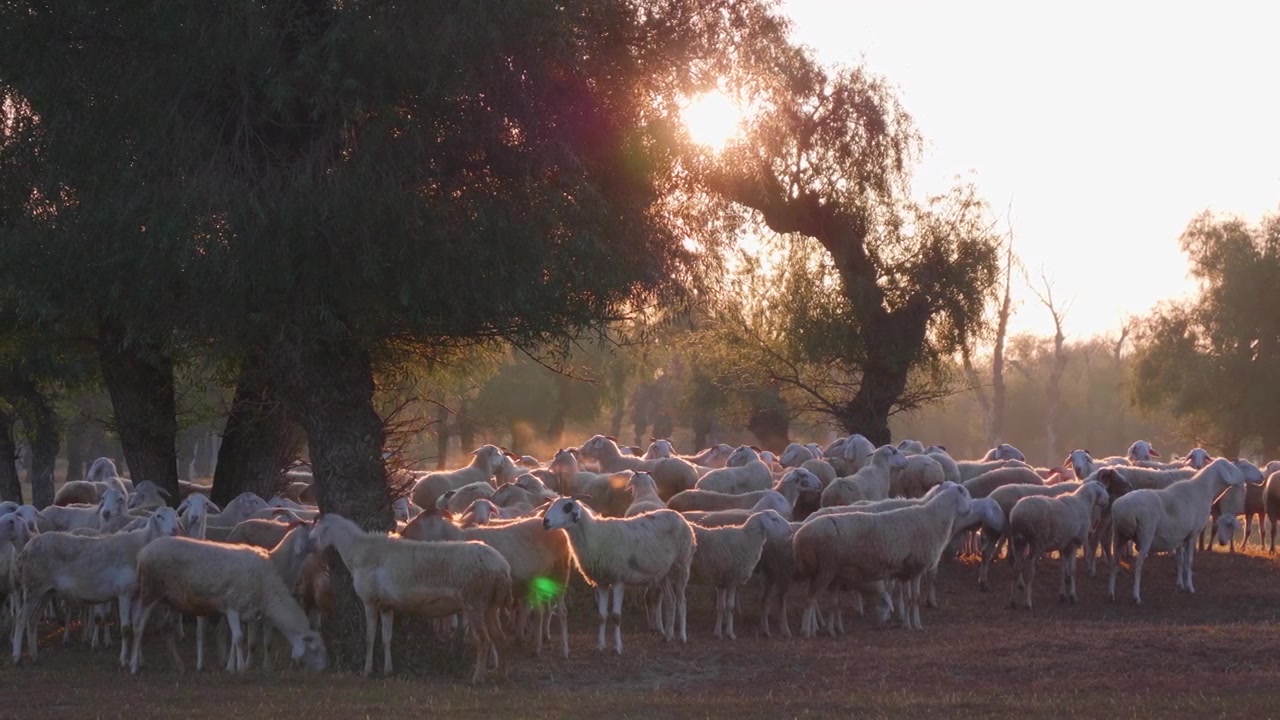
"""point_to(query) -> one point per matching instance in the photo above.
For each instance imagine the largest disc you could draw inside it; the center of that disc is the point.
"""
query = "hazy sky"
(1108, 126)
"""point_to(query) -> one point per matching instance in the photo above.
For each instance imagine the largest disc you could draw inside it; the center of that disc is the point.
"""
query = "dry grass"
(1208, 655)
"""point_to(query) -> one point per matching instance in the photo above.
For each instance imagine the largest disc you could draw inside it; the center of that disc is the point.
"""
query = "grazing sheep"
(654, 549)
(236, 581)
(735, 479)
(645, 494)
(1004, 451)
(435, 579)
(85, 569)
(793, 485)
(1141, 451)
(872, 482)
(1167, 520)
(726, 556)
(1230, 505)
(982, 485)
(672, 475)
(1040, 524)
(485, 461)
(900, 544)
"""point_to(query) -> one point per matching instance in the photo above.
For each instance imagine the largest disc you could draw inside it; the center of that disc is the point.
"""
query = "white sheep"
(770, 500)
(71, 517)
(645, 495)
(822, 469)
(712, 457)
(1198, 458)
(950, 470)
(654, 549)
(1040, 524)
(659, 448)
(85, 569)
(147, 495)
(1271, 506)
(738, 477)
(1004, 451)
(236, 581)
(982, 485)
(14, 534)
(1141, 451)
(900, 544)
(457, 499)
(852, 453)
(795, 455)
(970, 469)
(995, 534)
(918, 474)
(1231, 504)
(671, 474)
(606, 492)
(725, 557)
(872, 482)
(1167, 520)
(436, 579)
(911, 447)
(796, 483)
(194, 513)
(240, 508)
(485, 461)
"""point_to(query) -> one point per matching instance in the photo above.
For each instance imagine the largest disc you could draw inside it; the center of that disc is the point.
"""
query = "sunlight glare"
(712, 119)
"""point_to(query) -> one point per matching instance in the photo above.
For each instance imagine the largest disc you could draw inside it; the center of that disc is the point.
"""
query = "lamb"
(917, 476)
(110, 507)
(485, 461)
(1039, 524)
(606, 493)
(734, 479)
(433, 578)
(792, 486)
(85, 569)
(1167, 520)
(872, 482)
(982, 485)
(900, 544)
(1004, 451)
(656, 548)
(539, 561)
(147, 495)
(236, 581)
(672, 475)
(645, 494)
(726, 556)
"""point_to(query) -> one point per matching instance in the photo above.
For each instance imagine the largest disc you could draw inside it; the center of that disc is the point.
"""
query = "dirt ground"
(1213, 654)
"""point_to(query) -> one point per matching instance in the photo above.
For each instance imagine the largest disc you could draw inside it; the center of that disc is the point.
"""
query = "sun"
(712, 119)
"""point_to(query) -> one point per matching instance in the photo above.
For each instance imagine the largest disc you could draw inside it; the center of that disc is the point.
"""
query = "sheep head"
(741, 456)
(1197, 458)
(563, 513)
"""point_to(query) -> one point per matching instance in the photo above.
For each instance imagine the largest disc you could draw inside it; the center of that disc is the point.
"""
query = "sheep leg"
(370, 635)
(387, 619)
(914, 585)
(1069, 576)
(543, 614)
(237, 641)
(720, 597)
(126, 628)
(200, 624)
(988, 554)
(564, 626)
(170, 643)
(766, 606)
(143, 615)
(1143, 549)
(931, 581)
(1187, 562)
(267, 630)
(602, 608)
(616, 616)
(731, 604)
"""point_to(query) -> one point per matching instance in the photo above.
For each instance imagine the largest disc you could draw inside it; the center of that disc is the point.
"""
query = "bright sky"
(1107, 125)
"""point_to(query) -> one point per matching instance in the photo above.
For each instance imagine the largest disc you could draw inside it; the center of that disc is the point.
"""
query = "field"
(1213, 654)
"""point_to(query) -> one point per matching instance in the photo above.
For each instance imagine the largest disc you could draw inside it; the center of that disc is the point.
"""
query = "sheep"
(1167, 520)
(482, 512)
(433, 578)
(652, 549)
(14, 534)
(456, 500)
(851, 453)
(1039, 524)
(645, 494)
(872, 482)
(110, 507)
(539, 561)
(1004, 451)
(659, 448)
(982, 485)
(970, 469)
(1231, 504)
(900, 544)
(792, 486)
(147, 495)
(485, 461)
(1271, 505)
(916, 477)
(672, 475)
(796, 455)
(950, 470)
(822, 469)
(513, 499)
(1197, 458)
(239, 509)
(726, 556)
(194, 513)
(606, 493)
(770, 500)
(536, 490)
(1081, 463)
(911, 447)
(1141, 451)
(236, 581)
(712, 457)
(1006, 497)
(751, 476)
(85, 569)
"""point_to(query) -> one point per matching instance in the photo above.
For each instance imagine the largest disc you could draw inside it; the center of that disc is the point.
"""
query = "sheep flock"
(492, 552)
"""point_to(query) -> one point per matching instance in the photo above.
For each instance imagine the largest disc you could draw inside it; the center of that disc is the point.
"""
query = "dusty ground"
(1213, 654)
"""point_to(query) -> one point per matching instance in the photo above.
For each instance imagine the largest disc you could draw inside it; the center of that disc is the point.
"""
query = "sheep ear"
(1153, 452)
(580, 497)
(163, 492)
(610, 437)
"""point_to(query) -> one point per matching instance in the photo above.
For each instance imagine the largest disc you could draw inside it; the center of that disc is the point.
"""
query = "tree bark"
(75, 449)
(898, 337)
(45, 437)
(10, 487)
(259, 439)
(141, 386)
(327, 386)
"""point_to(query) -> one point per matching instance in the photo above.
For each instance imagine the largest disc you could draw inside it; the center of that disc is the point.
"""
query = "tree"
(1215, 361)
(827, 156)
(1053, 388)
(995, 406)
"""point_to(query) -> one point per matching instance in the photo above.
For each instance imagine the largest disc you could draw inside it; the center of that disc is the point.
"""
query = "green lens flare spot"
(544, 590)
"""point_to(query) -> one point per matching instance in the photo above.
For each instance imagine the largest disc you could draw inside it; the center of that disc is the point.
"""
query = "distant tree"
(1053, 388)
(1214, 361)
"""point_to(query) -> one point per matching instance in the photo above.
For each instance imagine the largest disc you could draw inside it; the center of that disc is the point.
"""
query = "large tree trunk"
(75, 449)
(142, 397)
(259, 440)
(10, 487)
(896, 339)
(327, 386)
(45, 437)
